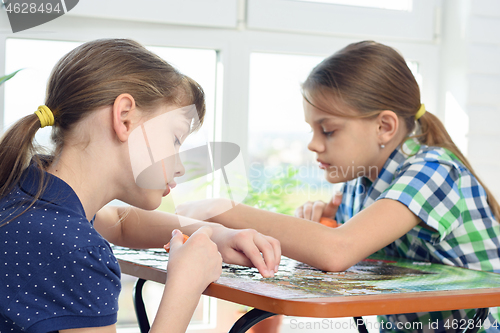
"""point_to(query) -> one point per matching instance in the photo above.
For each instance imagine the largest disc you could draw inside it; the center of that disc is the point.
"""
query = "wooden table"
(375, 286)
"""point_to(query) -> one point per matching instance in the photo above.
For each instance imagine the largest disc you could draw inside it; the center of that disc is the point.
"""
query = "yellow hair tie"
(45, 115)
(420, 112)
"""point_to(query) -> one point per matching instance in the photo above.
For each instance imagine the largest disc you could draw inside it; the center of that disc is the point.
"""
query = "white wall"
(484, 90)
(470, 71)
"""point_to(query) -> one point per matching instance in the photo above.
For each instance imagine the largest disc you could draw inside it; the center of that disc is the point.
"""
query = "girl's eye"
(177, 142)
(328, 134)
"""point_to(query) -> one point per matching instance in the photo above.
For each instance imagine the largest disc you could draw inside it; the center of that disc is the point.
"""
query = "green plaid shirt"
(438, 189)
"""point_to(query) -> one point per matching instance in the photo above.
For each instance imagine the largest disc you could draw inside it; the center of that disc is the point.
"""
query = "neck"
(90, 180)
(91, 166)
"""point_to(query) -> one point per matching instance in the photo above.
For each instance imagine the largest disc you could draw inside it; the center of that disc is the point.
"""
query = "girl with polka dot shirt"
(58, 272)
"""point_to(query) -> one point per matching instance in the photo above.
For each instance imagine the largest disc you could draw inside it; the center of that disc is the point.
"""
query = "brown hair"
(89, 77)
(370, 77)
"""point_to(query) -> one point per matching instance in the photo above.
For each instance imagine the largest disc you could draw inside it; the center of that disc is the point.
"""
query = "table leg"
(249, 319)
(360, 324)
(479, 318)
(140, 309)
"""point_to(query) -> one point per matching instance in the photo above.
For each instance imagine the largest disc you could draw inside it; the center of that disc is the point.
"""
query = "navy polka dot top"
(56, 271)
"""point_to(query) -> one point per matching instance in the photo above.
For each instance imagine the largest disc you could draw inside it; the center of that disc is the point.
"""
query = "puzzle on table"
(370, 276)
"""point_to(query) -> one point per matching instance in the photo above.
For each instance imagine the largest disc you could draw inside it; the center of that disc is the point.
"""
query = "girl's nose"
(316, 145)
(179, 167)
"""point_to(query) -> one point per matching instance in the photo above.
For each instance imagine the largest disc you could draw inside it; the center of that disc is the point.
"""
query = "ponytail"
(17, 150)
(435, 134)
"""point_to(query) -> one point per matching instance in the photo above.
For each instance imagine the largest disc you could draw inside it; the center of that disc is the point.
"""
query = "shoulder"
(435, 167)
(438, 189)
(433, 157)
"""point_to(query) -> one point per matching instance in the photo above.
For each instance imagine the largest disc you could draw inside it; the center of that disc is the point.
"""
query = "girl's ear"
(388, 124)
(123, 113)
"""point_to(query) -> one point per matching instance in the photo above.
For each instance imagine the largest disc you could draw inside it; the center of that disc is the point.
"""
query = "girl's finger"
(267, 250)
(331, 208)
(277, 251)
(253, 253)
(176, 241)
(317, 210)
(307, 210)
(299, 212)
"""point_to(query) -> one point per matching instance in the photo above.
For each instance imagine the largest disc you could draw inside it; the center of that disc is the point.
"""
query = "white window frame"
(326, 18)
(210, 13)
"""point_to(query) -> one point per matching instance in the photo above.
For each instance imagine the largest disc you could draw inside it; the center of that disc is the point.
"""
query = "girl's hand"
(314, 211)
(196, 263)
(249, 248)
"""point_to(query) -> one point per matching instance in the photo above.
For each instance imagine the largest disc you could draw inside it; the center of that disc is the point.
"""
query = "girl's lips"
(169, 187)
(323, 165)
(167, 191)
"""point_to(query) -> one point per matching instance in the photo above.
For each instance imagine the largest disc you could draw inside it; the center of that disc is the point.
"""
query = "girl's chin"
(152, 199)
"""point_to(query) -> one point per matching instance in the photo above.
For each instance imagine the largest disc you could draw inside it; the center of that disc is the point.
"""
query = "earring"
(382, 146)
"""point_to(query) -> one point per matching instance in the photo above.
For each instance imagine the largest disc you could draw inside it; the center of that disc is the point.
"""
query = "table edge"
(339, 306)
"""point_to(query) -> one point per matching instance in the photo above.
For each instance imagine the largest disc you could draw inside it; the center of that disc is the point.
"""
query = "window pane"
(278, 134)
(26, 91)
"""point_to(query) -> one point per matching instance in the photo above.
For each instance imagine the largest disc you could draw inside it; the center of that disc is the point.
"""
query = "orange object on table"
(328, 222)
(167, 246)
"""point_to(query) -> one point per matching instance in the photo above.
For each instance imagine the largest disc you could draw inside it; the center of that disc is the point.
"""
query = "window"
(278, 135)
(26, 91)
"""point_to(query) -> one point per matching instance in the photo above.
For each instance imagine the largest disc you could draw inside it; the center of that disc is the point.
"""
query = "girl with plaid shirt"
(408, 192)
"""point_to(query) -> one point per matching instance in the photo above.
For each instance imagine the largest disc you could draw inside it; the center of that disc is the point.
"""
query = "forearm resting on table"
(137, 228)
(319, 246)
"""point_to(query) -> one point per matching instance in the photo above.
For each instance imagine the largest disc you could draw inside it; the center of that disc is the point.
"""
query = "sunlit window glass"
(278, 134)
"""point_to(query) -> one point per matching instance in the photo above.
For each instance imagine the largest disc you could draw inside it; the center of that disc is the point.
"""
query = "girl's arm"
(312, 243)
(191, 268)
(136, 228)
